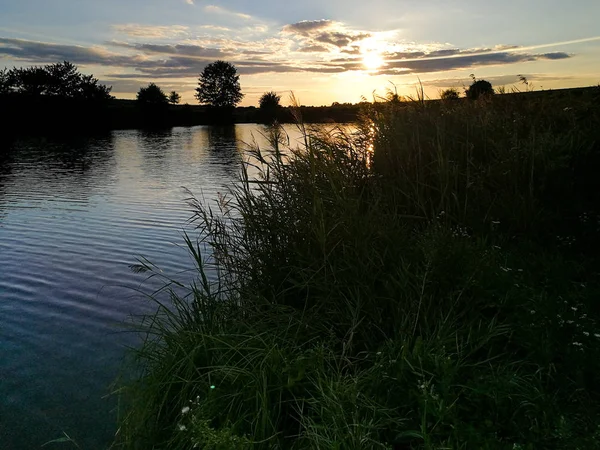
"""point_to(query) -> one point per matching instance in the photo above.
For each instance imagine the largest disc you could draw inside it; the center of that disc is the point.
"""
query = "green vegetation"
(426, 283)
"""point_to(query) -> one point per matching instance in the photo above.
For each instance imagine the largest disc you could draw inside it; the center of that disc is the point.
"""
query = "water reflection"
(73, 215)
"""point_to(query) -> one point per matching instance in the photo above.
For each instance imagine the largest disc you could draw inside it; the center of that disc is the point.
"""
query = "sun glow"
(372, 60)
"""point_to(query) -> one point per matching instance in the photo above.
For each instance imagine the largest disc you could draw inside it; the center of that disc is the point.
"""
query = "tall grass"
(401, 287)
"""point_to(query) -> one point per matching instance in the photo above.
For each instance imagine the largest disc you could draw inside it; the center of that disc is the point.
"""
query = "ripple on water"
(74, 214)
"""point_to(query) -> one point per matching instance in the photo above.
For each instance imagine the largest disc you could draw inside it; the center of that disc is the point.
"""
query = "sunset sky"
(324, 51)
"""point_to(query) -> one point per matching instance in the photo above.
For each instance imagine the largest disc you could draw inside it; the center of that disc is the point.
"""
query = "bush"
(478, 89)
(388, 288)
(450, 94)
(152, 95)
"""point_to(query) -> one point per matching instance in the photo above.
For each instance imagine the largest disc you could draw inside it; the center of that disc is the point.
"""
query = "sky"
(323, 51)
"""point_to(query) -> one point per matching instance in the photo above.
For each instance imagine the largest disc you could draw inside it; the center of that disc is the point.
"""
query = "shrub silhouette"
(219, 85)
(478, 89)
(450, 94)
(269, 101)
(152, 95)
(269, 105)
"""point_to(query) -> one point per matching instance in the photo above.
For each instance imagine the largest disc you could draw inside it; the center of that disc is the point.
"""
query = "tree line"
(61, 80)
(218, 88)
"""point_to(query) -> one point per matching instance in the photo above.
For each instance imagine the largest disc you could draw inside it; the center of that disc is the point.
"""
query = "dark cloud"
(318, 32)
(162, 61)
(41, 52)
(445, 60)
(556, 55)
(339, 38)
(308, 27)
(461, 61)
(314, 49)
(177, 49)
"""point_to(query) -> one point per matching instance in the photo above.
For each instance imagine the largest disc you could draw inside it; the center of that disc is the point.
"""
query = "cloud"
(556, 55)
(41, 52)
(184, 60)
(190, 2)
(324, 31)
(175, 49)
(220, 10)
(462, 60)
(314, 49)
(145, 31)
(308, 27)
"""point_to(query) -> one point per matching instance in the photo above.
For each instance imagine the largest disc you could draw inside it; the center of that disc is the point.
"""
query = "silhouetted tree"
(219, 85)
(61, 80)
(4, 82)
(174, 98)
(479, 88)
(269, 106)
(449, 94)
(269, 101)
(152, 95)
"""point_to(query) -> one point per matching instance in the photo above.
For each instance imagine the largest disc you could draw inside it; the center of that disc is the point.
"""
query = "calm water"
(73, 216)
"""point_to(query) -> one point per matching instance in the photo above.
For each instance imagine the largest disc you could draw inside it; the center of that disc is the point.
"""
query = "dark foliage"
(174, 98)
(61, 80)
(450, 94)
(479, 88)
(269, 101)
(152, 95)
(219, 85)
(269, 106)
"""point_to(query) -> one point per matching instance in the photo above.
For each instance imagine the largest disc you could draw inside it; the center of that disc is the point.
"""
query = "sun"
(372, 60)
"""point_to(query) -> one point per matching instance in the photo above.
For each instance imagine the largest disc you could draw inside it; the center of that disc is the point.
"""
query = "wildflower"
(585, 333)
(213, 386)
(182, 427)
(577, 344)
(570, 322)
(573, 308)
(185, 410)
(532, 311)
(597, 335)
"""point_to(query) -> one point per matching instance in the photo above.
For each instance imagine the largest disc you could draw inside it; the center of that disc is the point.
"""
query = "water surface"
(74, 214)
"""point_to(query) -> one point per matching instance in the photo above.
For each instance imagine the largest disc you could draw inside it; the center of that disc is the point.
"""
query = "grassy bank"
(430, 282)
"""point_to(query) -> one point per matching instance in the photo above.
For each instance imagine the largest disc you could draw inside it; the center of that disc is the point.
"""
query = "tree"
(269, 105)
(5, 84)
(152, 95)
(449, 94)
(269, 101)
(219, 85)
(174, 98)
(61, 80)
(478, 89)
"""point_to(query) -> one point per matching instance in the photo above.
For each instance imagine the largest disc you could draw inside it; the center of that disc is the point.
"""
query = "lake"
(74, 214)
